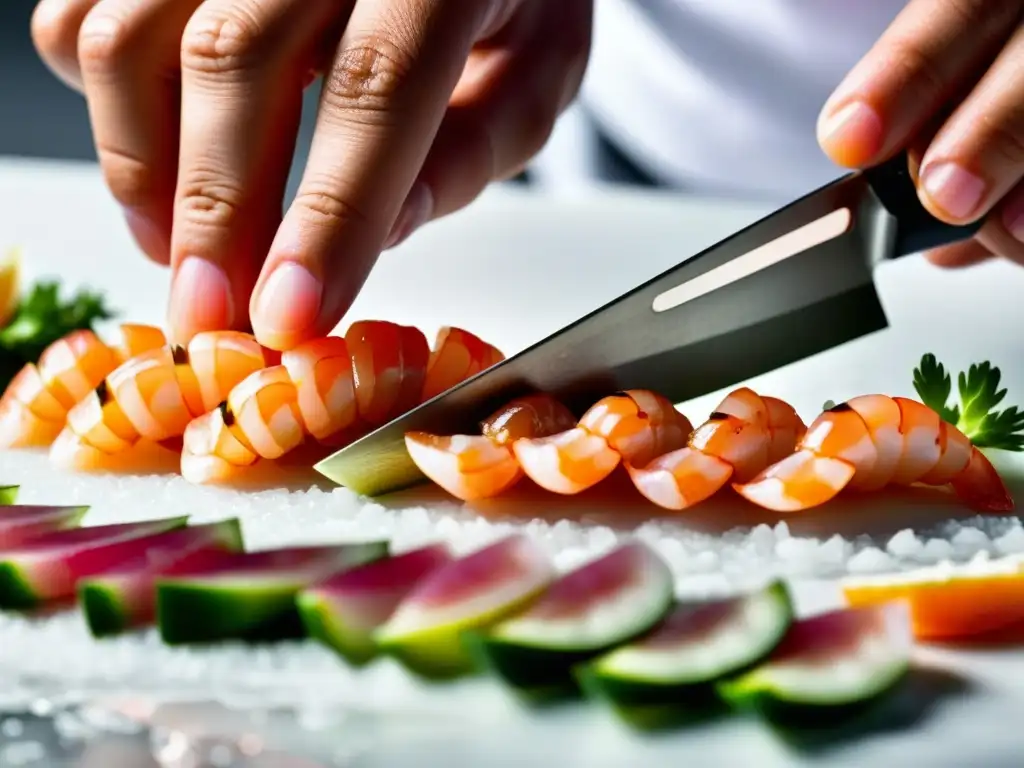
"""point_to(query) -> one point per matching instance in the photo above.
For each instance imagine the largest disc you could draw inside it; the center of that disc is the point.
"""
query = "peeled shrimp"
(481, 466)
(745, 434)
(35, 405)
(332, 389)
(873, 441)
(154, 395)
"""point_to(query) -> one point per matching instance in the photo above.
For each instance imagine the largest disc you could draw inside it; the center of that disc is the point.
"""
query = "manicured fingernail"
(200, 299)
(1013, 217)
(416, 211)
(287, 304)
(148, 235)
(852, 135)
(952, 188)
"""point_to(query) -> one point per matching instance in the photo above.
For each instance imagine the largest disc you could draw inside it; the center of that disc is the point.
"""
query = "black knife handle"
(916, 229)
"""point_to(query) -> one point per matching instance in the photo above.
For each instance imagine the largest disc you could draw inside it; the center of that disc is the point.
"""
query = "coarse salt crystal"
(870, 560)
(935, 550)
(905, 544)
(1011, 542)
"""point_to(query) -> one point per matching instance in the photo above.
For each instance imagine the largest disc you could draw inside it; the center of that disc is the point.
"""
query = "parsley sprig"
(976, 415)
(41, 318)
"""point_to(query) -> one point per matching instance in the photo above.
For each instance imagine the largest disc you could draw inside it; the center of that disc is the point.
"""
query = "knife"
(798, 282)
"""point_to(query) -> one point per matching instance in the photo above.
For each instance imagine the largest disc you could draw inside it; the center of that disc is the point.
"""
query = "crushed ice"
(54, 662)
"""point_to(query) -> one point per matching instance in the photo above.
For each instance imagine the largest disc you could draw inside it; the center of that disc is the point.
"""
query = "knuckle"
(208, 199)
(131, 180)
(105, 40)
(328, 208)
(1004, 137)
(221, 41)
(366, 76)
(912, 67)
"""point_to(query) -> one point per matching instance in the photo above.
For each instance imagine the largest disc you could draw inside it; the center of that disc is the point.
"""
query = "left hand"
(946, 81)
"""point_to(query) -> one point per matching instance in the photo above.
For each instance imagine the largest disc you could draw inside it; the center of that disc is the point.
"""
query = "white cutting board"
(515, 268)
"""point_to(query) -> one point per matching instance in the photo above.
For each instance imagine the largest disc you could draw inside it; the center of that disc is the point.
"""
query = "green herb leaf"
(41, 318)
(976, 416)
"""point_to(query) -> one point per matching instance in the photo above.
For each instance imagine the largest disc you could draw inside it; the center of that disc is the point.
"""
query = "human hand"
(945, 81)
(195, 105)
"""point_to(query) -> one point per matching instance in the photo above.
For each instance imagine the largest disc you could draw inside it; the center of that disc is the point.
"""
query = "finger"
(1003, 231)
(504, 109)
(930, 50)
(959, 255)
(243, 64)
(978, 155)
(55, 25)
(380, 108)
(128, 55)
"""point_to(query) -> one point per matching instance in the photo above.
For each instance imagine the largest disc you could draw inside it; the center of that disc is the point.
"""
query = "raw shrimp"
(635, 426)
(155, 395)
(481, 466)
(332, 389)
(745, 434)
(35, 406)
(873, 441)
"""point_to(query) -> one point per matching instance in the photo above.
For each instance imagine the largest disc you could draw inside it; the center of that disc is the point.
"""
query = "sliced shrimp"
(35, 406)
(871, 442)
(154, 395)
(451, 363)
(635, 426)
(744, 434)
(331, 389)
(481, 466)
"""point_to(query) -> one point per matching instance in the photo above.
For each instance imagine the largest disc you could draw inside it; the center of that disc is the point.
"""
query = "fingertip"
(201, 299)
(152, 238)
(285, 307)
(851, 134)
(959, 255)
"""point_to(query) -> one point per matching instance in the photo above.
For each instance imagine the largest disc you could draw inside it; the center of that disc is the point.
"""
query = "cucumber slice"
(248, 596)
(8, 494)
(124, 597)
(47, 568)
(596, 607)
(424, 633)
(21, 524)
(829, 667)
(668, 676)
(344, 611)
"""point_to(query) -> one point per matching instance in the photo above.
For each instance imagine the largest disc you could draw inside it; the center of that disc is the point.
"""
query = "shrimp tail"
(330, 390)
(980, 486)
(35, 405)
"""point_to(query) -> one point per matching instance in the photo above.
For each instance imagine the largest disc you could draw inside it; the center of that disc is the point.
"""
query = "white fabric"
(722, 95)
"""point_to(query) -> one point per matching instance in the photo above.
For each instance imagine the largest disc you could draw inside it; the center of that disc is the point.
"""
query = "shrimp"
(744, 434)
(635, 426)
(331, 389)
(873, 441)
(154, 395)
(35, 405)
(481, 466)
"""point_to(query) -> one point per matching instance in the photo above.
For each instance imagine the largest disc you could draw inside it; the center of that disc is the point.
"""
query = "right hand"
(195, 106)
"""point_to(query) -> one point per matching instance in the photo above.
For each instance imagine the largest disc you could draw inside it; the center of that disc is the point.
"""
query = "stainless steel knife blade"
(793, 284)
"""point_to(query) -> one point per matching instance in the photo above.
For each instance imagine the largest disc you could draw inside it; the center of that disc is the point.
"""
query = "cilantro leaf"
(40, 319)
(976, 416)
(933, 386)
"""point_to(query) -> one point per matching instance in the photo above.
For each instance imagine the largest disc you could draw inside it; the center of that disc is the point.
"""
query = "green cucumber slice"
(669, 675)
(587, 611)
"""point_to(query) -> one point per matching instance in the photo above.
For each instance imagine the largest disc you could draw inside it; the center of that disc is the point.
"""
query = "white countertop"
(514, 268)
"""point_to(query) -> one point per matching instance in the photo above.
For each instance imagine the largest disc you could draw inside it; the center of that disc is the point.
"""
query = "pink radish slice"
(21, 524)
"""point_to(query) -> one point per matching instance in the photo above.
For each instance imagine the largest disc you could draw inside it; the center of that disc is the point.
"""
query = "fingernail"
(200, 299)
(416, 211)
(148, 235)
(952, 188)
(852, 135)
(1013, 218)
(288, 303)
